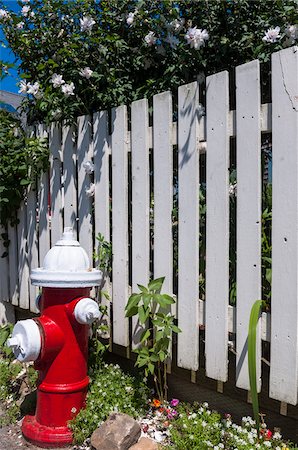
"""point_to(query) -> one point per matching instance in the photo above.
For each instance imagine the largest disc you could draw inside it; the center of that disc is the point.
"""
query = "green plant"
(198, 428)
(49, 39)
(111, 390)
(251, 353)
(12, 375)
(150, 305)
(22, 158)
(103, 255)
(103, 259)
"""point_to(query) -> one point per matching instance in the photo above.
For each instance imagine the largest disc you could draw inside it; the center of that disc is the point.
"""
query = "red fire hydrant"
(58, 340)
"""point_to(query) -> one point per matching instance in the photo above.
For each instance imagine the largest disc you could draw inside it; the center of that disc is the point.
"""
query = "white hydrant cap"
(66, 265)
(25, 341)
(86, 311)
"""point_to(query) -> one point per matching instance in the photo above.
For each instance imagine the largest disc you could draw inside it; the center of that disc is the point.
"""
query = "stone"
(118, 432)
(145, 444)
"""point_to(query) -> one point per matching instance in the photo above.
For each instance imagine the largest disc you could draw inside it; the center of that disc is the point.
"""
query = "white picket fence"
(122, 155)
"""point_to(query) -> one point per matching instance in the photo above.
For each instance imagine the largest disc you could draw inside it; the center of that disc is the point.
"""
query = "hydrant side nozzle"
(86, 311)
(25, 341)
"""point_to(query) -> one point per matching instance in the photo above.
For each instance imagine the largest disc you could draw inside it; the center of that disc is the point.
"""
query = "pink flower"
(174, 402)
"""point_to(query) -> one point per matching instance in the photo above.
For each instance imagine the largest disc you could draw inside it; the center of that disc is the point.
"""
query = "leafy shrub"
(22, 158)
(198, 428)
(111, 52)
(110, 390)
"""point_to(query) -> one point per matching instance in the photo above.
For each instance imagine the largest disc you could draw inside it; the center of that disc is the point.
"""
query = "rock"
(119, 432)
(145, 444)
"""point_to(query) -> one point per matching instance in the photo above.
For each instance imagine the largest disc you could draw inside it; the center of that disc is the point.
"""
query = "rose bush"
(87, 55)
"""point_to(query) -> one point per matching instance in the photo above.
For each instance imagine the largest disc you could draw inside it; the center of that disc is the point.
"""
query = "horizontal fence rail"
(162, 193)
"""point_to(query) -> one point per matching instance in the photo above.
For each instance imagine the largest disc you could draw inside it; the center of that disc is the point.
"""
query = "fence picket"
(119, 140)
(217, 223)
(163, 188)
(43, 209)
(140, 202)
(69, 177)
(13, 265)
(284, 305)
(102, 190)
(188, 242)
(55, 183)
(23, 269)
(4, 270)
(84, 154)
(32, 242)
(249, 198)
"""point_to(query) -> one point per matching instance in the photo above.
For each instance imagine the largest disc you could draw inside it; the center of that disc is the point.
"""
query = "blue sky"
(9, 82)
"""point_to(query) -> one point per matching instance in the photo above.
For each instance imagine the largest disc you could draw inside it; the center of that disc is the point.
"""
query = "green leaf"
(133, 301)
(176, 329)
(142, 288)
(133, 311)
(25, 182)
(143, 314)
(251, 353)
(145, 335)
(146, 299)
(156, 285)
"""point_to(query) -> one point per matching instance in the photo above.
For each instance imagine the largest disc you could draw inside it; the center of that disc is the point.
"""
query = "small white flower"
(57, 80)
(24, 86)
(276, 435)
(32, 14)
(130, 18)
(68, 89)
(267, 444)
(89, 167)
(33, 88)
(292, 33)
(87, 23)
(205, 405)
(232, 192)
(26, 10)
(25, 1)
(20, 25)
(204, 424)
(86, 72)
(272, 35)
(150, 38)
(176, 25)
(172, 40)
(91, 190)
(196, 37)
(73, 410)
(159, 436)
(4, 14)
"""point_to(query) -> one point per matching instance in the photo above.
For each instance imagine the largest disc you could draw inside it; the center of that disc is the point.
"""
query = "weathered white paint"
(284, 303)
(69, 177)
(249, 195)
(13, 264)
(101, 150)
(43, 208)
(23, 269)
(4, 269)
(120, 224)
(101, 174)
(32, 242)
(217, 232)
(163, 189)
(84, 154)
(188, 240)
(55, 183)
(140, 203)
